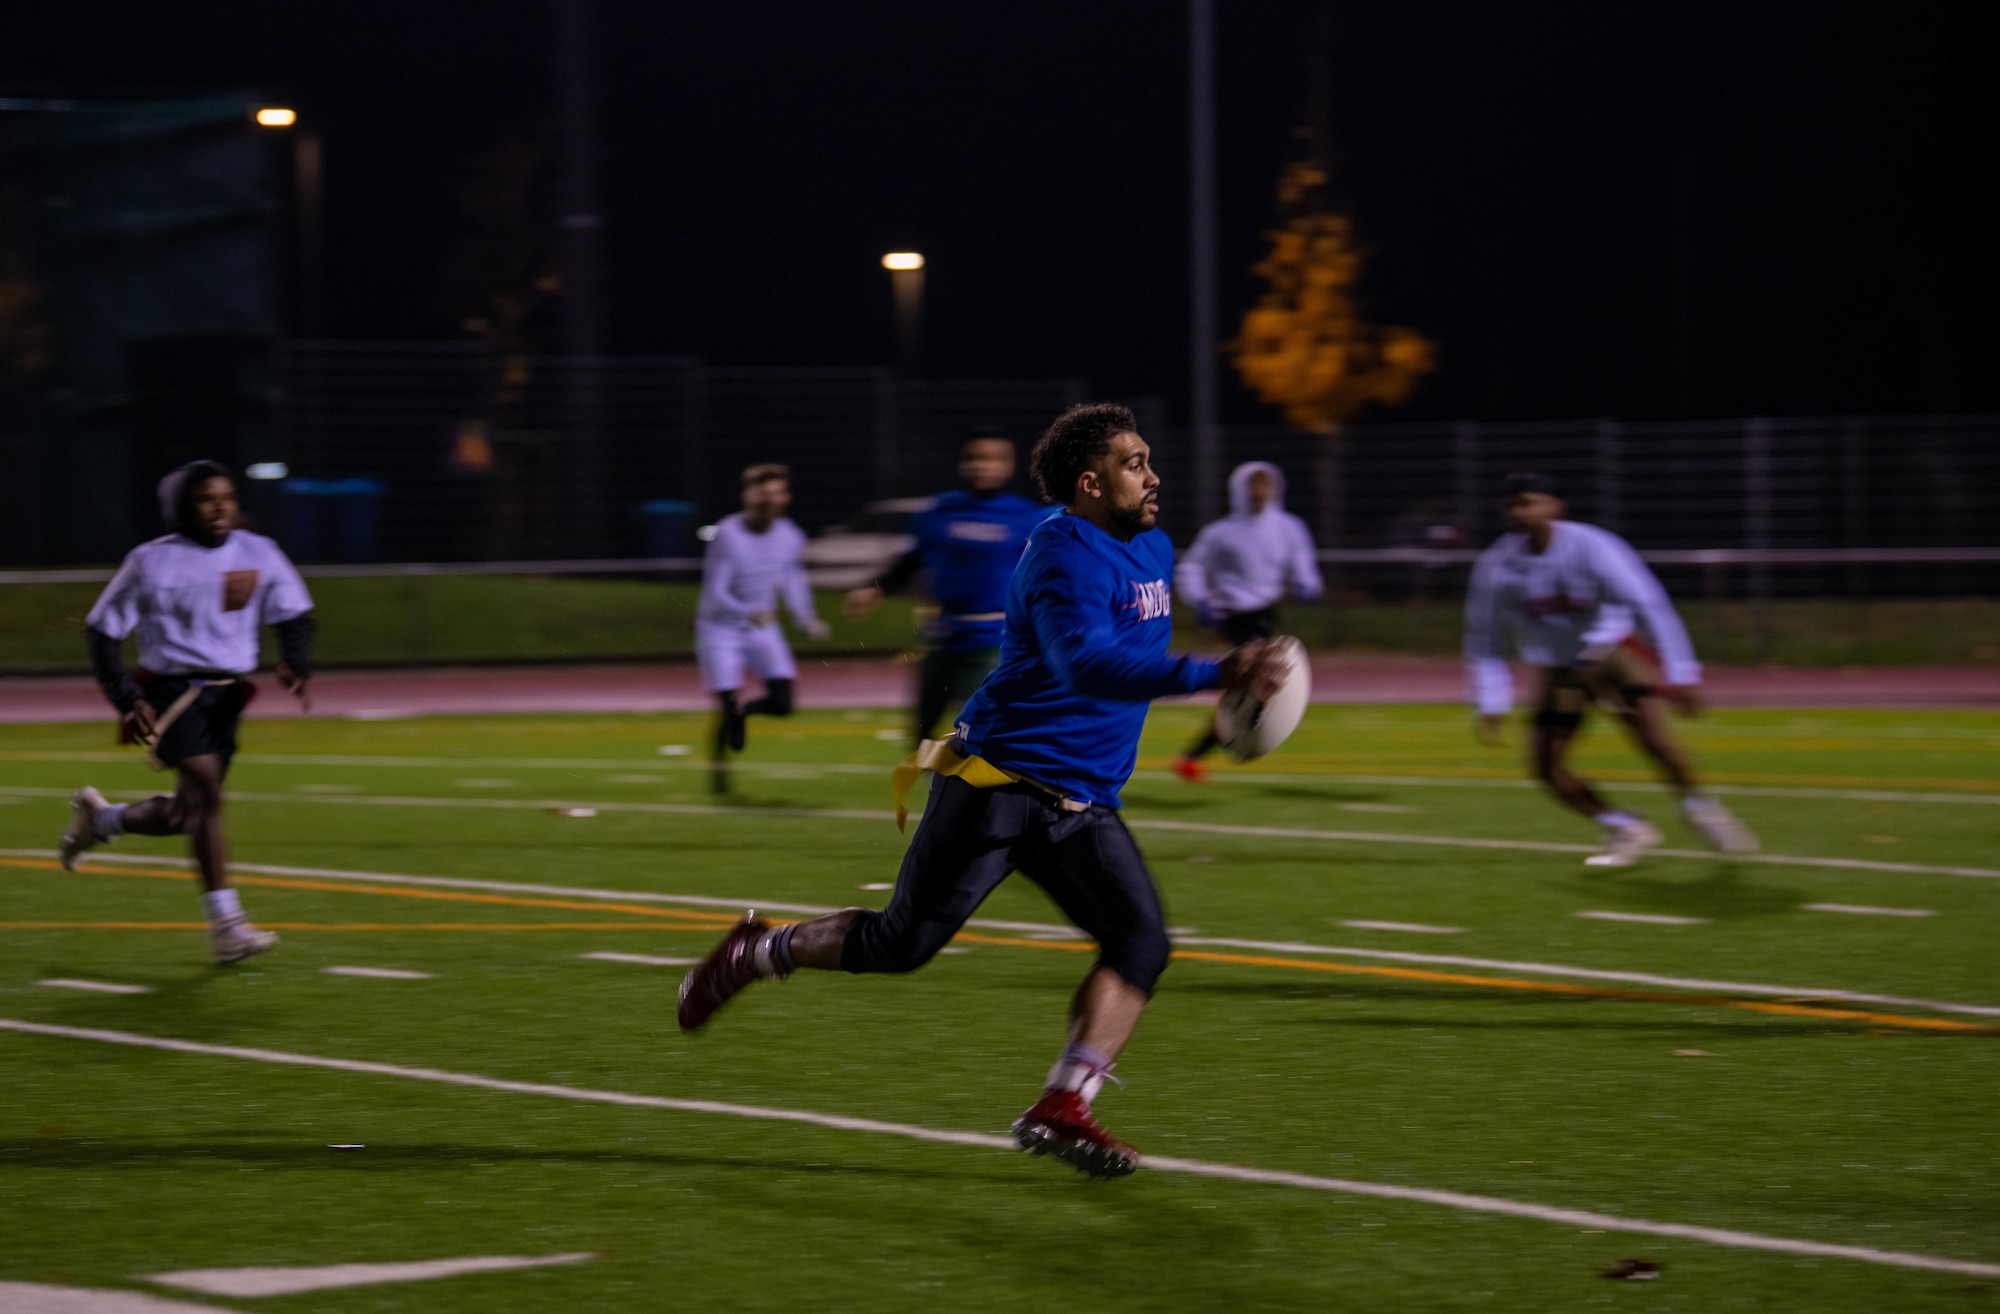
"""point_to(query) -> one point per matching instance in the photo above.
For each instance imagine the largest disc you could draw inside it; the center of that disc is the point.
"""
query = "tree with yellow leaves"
(1305, 347)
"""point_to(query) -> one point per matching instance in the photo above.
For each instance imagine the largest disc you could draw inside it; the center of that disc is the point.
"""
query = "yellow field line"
(1515, 983)
(685, 916)
(346, 926)
(697, 920)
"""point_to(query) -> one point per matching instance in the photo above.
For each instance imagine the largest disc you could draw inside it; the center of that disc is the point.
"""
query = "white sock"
(1081, 1069)
(1616, 820)
(1698, 804)
(109, 822)
(222, 907)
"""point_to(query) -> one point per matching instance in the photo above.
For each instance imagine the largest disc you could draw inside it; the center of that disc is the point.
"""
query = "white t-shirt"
(1582, 595)
(744, 574)
(198, 608)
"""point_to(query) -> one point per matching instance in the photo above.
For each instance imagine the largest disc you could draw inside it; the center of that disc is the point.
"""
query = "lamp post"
(307, 240)
(906, 285)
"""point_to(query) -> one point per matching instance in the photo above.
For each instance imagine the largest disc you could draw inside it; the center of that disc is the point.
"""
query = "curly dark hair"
(1079, 436)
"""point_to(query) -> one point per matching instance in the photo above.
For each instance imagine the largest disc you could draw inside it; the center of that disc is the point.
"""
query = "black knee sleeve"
(881, 942)
(777, 700)
(1138, 956)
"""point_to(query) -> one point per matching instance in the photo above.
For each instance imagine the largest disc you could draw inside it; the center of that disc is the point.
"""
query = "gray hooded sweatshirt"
(1245, 561)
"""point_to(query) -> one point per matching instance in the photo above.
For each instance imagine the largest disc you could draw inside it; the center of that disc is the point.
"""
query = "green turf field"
(1516, 1076)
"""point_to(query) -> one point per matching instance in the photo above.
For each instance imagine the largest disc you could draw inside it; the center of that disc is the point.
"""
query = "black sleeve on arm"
(107, 663)
(295, 643)
(899, 575)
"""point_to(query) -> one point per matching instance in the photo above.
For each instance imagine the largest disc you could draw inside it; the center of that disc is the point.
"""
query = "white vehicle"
(862, 550)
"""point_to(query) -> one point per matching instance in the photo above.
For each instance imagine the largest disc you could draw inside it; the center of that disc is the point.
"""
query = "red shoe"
(1060, 1124)
(718, 978)
(1189, 770)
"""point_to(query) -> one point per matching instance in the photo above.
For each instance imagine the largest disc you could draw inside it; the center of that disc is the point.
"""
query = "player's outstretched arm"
(1490, 679)
(295, 638)
(107, 665)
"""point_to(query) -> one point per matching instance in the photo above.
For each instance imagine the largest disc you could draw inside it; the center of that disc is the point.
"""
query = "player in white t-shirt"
(1573, 596)
(755, 560)
(195, 599)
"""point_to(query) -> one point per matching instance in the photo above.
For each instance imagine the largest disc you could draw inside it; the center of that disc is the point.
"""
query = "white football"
(1249, 729)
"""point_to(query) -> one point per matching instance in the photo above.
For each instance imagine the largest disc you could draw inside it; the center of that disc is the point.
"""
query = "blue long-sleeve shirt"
(1085, 650)
(970, 543)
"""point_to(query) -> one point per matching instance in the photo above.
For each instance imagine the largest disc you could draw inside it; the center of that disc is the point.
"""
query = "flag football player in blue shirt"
(1029, 782)
(968, 542)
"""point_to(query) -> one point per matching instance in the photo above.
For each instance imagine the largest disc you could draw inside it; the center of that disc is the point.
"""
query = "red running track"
(879, 683)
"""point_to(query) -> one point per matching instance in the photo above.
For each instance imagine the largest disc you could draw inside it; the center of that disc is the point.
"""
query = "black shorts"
(208, 725)
(1243, 626)
(1616, 681)
(968, 842)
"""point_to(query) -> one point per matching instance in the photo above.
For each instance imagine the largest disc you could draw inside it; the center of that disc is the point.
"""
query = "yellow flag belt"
(943, 757)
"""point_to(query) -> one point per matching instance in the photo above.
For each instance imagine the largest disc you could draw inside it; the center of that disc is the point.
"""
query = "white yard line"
(273, 1281)
(643, 960)
(1416, 927)
(101, 987)
(1222, 775)
(1262, 1176)
(576, 807)
(1865, 910)
(978, 923)
(377, 973)
(1655, 919)
(49, 1298)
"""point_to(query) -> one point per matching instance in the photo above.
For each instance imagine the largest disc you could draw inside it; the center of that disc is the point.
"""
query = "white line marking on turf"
(251, 1282)
(102, 987)
(1654, 919)
(979, 923)
(1418, 927)
(1868, 911)
(379, 973)
(1196, 1167)
(644, 960)
(1137, 823)
(754, 766)
(42, 1298)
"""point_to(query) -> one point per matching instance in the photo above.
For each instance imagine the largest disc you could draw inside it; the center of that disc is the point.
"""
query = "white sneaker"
(1624, 844)
(235, 941)
(1719, 827)
(81, 836)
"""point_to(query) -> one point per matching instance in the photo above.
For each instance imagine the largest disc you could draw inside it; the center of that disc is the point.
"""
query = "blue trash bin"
(669, 525)
(331, 519)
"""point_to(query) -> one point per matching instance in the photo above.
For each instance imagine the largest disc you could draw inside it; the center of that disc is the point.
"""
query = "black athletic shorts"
(207, 726)
(1243, 626)
(1616, 681)
(968, 842)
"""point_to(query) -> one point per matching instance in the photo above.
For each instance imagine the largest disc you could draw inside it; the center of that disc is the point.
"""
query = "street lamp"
(906, 284)
(276, 116)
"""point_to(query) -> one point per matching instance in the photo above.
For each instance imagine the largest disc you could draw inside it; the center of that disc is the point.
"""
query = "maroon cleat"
(1060, 1124)
(718, 978)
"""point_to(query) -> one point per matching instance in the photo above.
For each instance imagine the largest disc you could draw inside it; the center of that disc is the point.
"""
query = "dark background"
(1641, 209)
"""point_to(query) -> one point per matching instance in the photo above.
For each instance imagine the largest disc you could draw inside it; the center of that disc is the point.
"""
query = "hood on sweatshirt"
(1239, 487)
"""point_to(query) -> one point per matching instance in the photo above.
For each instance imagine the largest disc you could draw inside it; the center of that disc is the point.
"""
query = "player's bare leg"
(728, 735)
(194, 809)
(1626, 836)
(1647, 724)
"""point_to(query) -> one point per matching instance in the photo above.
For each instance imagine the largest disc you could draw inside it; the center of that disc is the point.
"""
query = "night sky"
(1637, 209)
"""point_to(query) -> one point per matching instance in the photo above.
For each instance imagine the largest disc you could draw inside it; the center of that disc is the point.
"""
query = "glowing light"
(277, 117)
(268, 470)
(902, 260)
